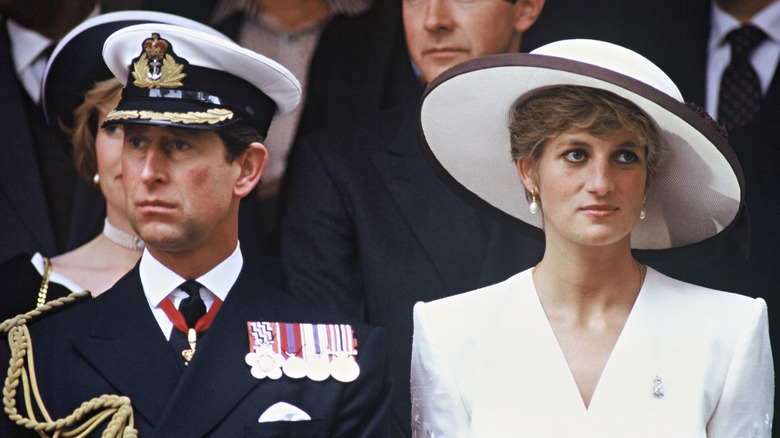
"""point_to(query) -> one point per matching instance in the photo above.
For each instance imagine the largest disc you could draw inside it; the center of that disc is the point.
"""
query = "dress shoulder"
(485, 300)
(699, 300)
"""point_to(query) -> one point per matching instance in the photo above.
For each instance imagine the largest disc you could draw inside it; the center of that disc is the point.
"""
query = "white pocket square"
(282, 411)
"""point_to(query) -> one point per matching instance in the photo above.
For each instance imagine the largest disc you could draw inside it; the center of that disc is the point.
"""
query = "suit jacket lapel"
(446, 227)
(217, 379)
(89, 211)
(19, 174)
(132, 354)
(509, 252)
(692, 44)
(771, 104)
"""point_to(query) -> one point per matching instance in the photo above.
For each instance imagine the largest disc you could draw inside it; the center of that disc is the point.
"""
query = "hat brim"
(76, 63)
(463, 119)
(172, 113)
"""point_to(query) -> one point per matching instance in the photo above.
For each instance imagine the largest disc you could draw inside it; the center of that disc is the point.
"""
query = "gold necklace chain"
(642, 272)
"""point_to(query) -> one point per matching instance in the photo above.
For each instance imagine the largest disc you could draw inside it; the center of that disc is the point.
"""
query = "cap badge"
(156, 67)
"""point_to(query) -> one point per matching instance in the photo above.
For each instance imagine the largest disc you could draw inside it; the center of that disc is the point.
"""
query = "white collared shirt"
(764, 58)
(159, 283)
(26, 49)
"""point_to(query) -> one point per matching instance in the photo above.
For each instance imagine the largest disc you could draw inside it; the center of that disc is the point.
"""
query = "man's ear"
(252, 165)
(526, 171)
(526, 13)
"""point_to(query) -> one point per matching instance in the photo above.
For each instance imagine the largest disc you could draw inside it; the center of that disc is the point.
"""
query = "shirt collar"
(158, 281)
(721, 23)
(26, 45)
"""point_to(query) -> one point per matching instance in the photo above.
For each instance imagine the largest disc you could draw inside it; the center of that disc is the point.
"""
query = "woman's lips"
(599, 210)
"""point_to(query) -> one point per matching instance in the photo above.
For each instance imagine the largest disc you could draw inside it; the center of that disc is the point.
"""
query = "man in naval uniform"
(192, 336)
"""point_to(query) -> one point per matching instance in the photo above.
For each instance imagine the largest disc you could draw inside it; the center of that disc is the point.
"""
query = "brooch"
(658, 387)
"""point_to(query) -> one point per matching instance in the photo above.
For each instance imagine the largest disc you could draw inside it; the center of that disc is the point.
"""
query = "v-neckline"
(574, 389)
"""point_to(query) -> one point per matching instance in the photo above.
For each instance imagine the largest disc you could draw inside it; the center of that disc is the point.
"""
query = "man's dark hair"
(237, 138)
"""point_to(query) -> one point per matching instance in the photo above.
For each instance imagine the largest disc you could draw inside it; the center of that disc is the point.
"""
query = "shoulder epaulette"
(117, 410)
(47, 309)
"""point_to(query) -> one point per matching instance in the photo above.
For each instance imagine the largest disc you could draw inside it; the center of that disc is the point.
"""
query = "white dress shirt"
(27, 46)
(764, 58)
(159, 283)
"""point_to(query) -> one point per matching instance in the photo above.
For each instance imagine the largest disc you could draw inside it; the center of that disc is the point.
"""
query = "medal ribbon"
(178, 319)
(341, 338)
(291, 342)
(261, 333)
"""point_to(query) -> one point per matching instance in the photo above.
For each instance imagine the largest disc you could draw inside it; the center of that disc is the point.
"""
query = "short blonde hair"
(545, 113)
(100, 99)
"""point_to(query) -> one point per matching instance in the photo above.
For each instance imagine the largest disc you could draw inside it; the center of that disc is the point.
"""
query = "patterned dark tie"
(740, 90)
(192, 307)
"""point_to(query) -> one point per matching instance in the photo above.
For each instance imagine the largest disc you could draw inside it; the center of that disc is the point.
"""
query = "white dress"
(690, 362)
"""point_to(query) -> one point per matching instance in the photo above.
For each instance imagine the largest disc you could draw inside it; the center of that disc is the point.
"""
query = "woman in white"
(589, 343)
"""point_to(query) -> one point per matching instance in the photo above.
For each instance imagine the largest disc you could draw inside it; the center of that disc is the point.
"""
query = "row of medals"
(266, 362)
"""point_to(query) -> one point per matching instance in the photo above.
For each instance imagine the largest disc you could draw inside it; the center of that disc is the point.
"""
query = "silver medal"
(344, 368)
(318, 367)
(294, 367)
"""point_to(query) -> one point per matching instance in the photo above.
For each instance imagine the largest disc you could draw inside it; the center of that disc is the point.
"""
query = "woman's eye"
(180, 145)
(627, 157)
(113, 129)
(575, 156)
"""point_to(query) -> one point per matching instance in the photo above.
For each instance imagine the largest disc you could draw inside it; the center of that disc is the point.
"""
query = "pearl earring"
(533, 207)
(96, 179)
(642, 214)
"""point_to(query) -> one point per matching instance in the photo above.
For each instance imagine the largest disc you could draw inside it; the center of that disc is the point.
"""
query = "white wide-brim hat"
(463, 119)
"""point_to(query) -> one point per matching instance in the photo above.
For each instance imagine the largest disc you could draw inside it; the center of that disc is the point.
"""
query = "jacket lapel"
(19, 174)
(89, 211)
(131, 353)
(446, 227)
(509, 252)
(217, 379)
(771, 104)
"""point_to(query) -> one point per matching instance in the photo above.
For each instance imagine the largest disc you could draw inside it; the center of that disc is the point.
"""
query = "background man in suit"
(195, 110)
(369, 229)
(44, 207)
